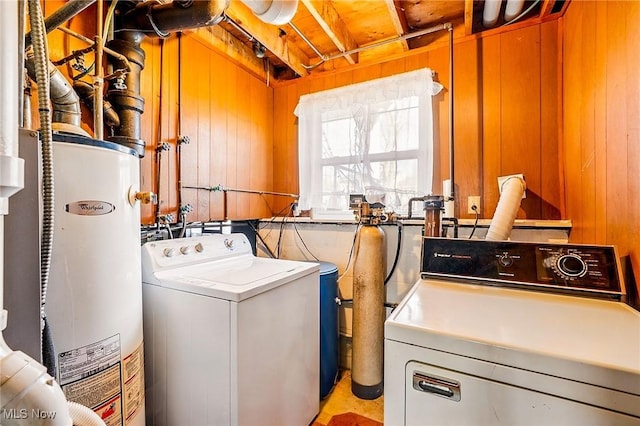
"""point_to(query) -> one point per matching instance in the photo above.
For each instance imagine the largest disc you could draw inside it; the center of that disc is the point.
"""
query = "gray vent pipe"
(136, 20)
(64, 100)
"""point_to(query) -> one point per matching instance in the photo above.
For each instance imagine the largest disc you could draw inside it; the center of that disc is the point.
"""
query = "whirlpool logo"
(90, 208)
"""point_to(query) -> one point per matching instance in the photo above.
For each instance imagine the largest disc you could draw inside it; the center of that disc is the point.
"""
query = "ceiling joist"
(468, 17)
(399, 20)
(269, 36)
(328, 18)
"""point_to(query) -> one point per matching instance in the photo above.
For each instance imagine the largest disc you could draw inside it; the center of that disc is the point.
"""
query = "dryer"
(230, 338)
(504, 333)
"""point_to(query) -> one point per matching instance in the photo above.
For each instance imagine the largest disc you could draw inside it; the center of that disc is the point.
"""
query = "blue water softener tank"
(328, 327)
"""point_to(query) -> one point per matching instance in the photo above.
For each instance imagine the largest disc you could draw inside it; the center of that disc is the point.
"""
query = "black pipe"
(62, 15)
(397, 256)
(155, 19)
(126, 99)
(85, 91)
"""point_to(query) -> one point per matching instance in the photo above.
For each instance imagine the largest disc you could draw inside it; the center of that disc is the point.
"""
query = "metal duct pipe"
(62, 15)
(158, 19)
(64, 100)
(85, 92)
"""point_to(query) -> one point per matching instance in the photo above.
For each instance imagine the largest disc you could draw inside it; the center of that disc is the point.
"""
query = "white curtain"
(382, 122)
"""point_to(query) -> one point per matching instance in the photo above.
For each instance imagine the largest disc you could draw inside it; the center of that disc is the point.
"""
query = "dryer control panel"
(565, 268)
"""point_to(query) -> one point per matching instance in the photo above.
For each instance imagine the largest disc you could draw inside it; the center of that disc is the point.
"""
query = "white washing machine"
(230, 338)
(503, 333)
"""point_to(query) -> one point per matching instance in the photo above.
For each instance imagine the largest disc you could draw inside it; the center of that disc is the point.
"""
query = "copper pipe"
(98, 119)
(107, 50)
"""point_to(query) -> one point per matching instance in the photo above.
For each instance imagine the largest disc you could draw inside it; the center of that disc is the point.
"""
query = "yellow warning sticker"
(133, 377)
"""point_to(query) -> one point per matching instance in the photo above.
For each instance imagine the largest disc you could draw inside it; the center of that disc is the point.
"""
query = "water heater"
(94, 295)
(94, 300)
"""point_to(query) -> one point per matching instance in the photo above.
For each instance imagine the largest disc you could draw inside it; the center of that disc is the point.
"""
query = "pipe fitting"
(128, 103)
(64, 100)
(85, 91)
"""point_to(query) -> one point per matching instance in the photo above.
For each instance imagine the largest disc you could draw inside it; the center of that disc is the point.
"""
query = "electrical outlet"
(473, 200)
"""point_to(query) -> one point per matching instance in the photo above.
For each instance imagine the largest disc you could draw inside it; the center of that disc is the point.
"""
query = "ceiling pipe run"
(325, 58)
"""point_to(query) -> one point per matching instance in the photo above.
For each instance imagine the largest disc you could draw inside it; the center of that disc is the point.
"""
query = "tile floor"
(340, 400)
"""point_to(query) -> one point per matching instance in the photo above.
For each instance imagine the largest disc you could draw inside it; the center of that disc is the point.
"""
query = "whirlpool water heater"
(94, 300)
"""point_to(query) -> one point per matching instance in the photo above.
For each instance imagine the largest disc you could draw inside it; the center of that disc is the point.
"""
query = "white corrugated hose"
(512, 191)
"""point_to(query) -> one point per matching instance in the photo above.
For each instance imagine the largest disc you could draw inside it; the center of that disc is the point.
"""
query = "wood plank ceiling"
(329, 34)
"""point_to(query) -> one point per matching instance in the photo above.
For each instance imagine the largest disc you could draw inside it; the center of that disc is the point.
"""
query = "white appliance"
(230, 338)
(94, 297)
(466, 346)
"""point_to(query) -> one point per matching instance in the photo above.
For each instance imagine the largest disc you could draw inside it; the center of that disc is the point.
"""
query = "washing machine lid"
(583, 339)
(234, 279)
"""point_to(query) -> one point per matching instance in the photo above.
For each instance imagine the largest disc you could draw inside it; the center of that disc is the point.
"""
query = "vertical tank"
(329, 329)
(94, 299)
(369, 270)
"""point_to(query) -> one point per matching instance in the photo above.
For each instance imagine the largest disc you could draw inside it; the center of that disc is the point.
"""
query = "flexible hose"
(40, 51)
(512, 190)
(84, 416)
(397, 256)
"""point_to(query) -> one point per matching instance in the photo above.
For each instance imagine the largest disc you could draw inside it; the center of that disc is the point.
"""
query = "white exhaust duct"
(513, 9)
(512, 190)
(276, 12)
(491, 12)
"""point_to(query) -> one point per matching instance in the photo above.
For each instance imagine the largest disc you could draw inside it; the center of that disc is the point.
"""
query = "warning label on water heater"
(83, 362)
(90, 375)
(133, 374)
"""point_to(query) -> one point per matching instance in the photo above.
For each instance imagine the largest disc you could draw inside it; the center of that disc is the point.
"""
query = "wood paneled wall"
(191, 90)
(506, 103)
(602, 126)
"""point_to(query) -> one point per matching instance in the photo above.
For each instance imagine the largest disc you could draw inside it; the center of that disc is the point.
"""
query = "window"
(373, 138)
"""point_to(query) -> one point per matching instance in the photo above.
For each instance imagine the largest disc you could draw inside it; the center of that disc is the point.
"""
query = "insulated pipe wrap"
(512, 191)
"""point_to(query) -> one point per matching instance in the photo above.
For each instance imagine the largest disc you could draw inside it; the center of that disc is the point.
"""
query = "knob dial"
(571, 265)
(169, 252)
(199, 247)
(228, 243)
(506, 260)
(186, 249)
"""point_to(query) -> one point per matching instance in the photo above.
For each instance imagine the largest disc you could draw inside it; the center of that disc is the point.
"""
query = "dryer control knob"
(186, 250)
(228, 243)
(199, 247)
